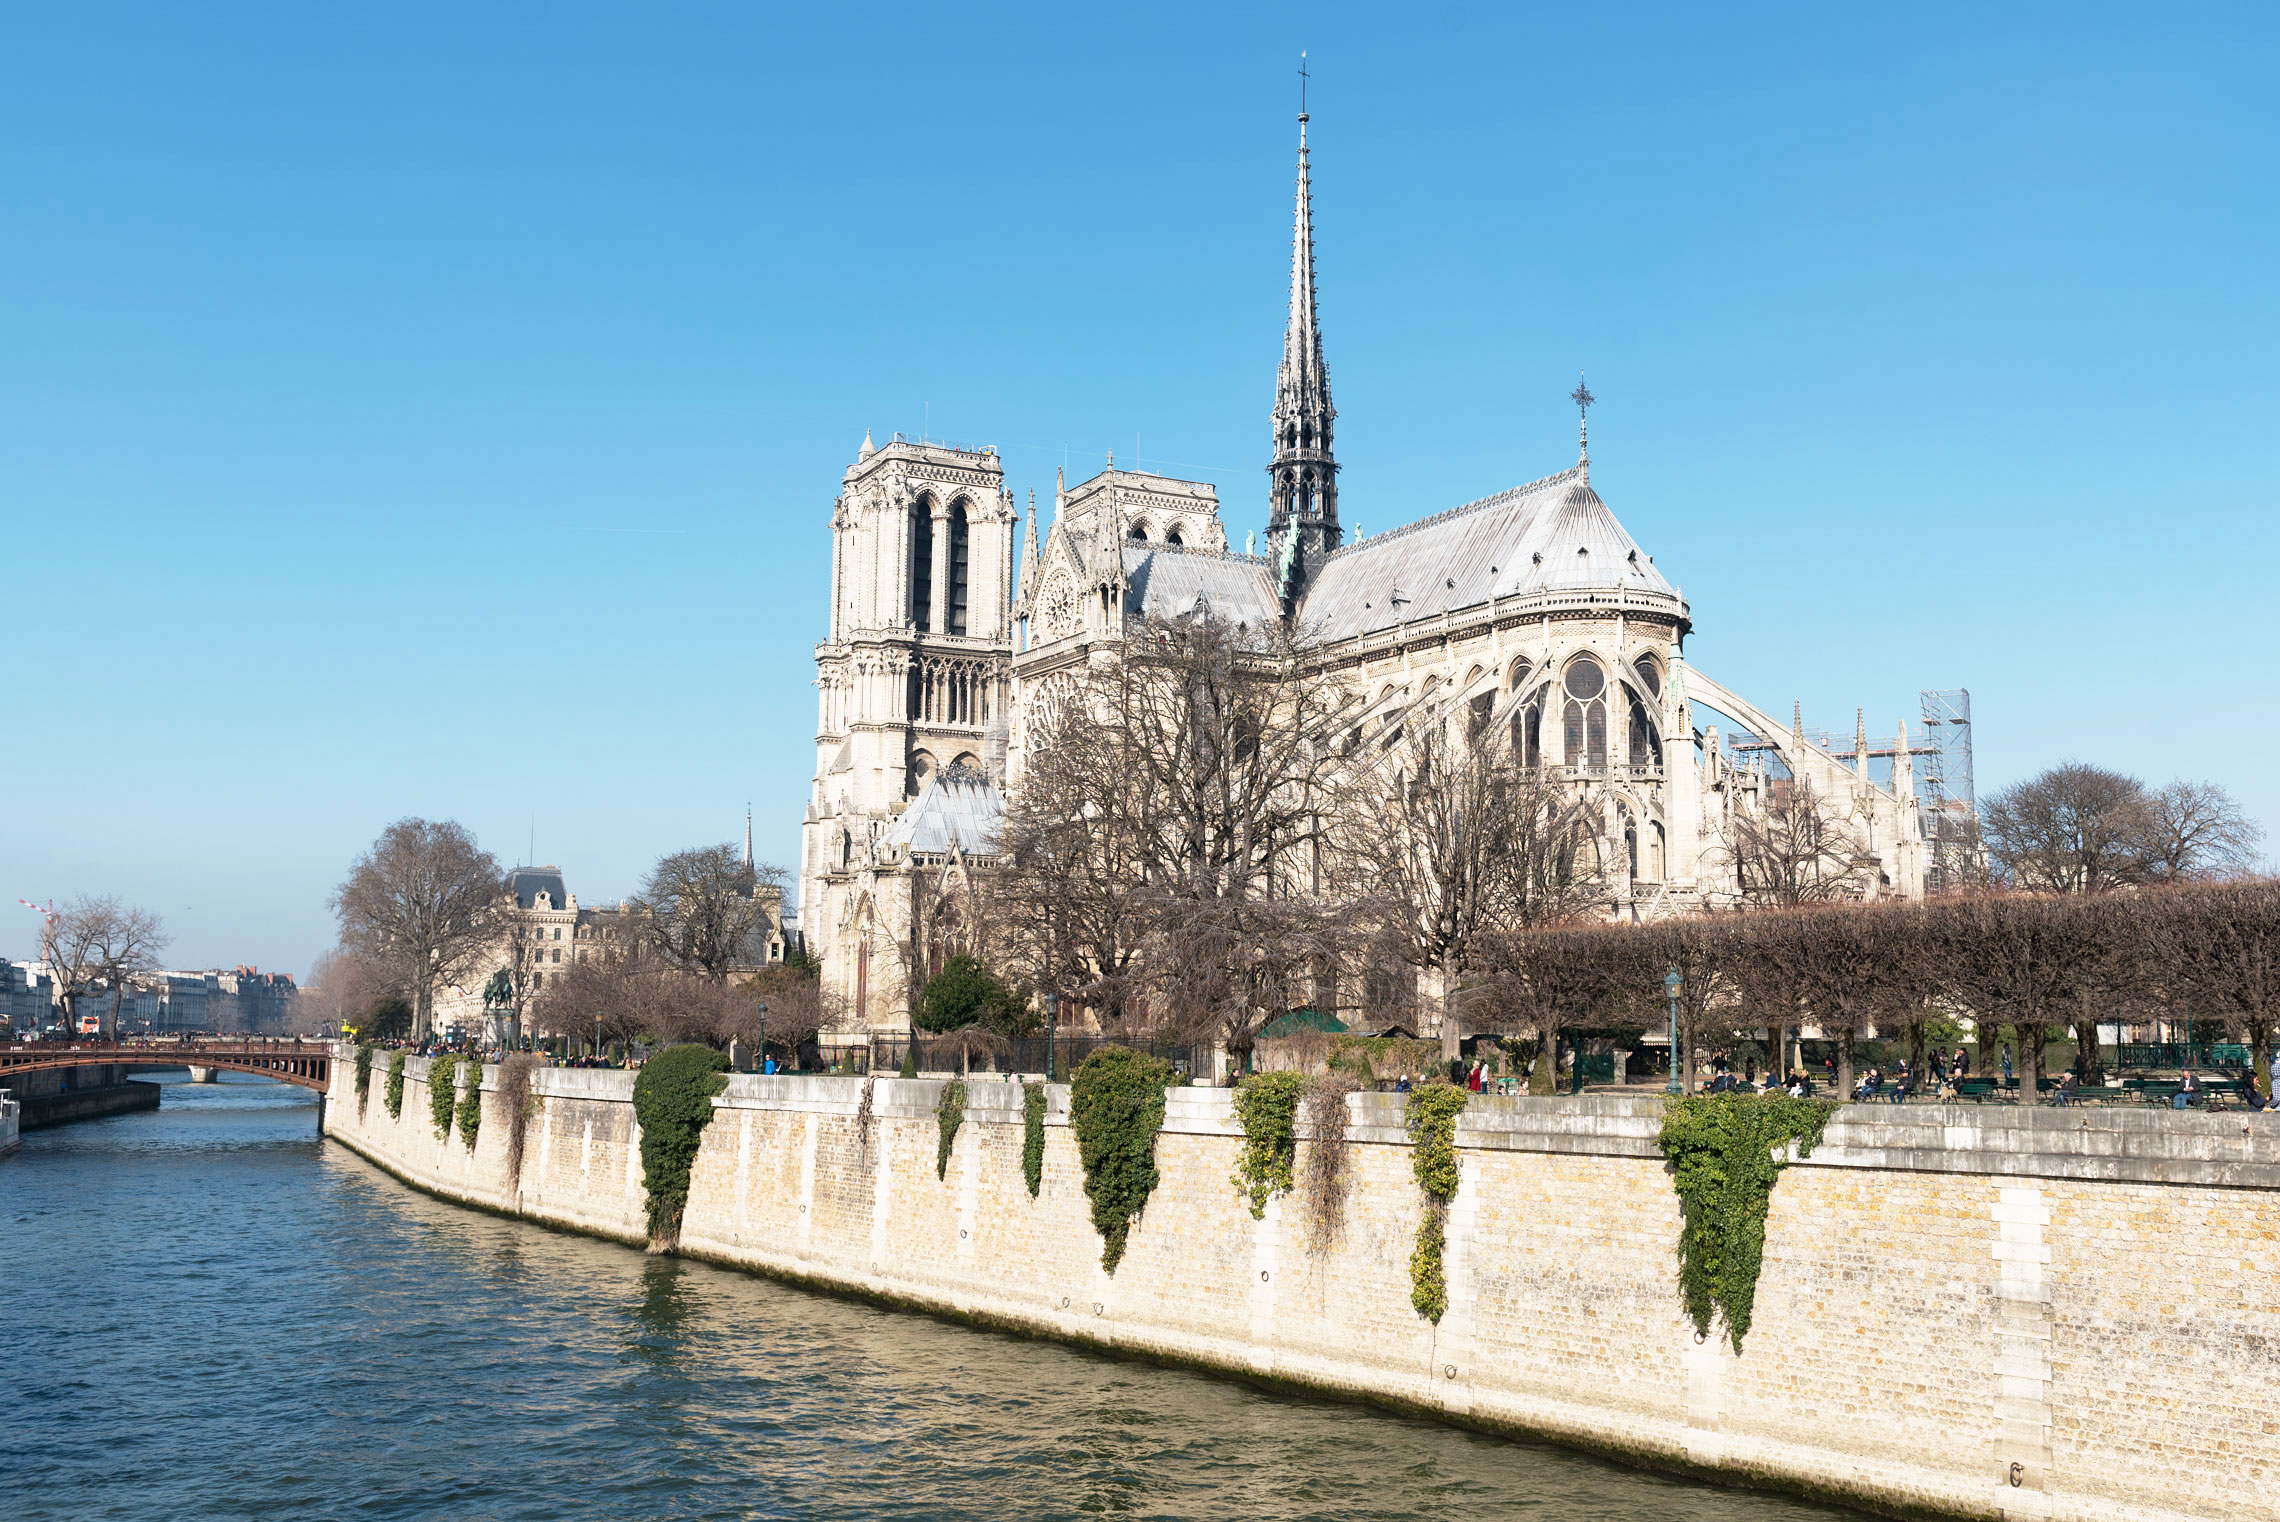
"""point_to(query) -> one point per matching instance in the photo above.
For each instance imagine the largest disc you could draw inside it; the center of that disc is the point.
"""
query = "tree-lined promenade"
(1208, 835)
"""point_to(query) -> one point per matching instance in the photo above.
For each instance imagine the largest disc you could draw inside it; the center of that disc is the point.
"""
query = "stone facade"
(1947, 1293)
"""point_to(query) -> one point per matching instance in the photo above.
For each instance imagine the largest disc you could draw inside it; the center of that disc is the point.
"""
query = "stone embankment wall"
(2055, 1314)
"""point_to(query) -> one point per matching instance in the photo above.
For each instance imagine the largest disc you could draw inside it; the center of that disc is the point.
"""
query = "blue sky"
(437, 409)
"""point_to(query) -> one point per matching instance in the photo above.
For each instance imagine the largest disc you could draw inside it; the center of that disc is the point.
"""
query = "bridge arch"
(306, 1064)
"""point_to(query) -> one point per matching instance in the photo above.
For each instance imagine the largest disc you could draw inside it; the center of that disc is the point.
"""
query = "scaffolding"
(1950, 799)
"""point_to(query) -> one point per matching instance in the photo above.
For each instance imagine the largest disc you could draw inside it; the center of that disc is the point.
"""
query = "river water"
(212, 1313)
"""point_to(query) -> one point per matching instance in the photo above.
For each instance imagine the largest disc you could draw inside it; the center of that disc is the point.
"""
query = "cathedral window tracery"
(958, 558)
(921, 561)
(1584, 730)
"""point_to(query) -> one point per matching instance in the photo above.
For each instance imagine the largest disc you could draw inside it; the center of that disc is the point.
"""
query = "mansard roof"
(1165, 581)
(957, 808)
(526, 883)
(1550, 536)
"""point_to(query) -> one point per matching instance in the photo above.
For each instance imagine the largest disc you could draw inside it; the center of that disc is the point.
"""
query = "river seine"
(213, 1313)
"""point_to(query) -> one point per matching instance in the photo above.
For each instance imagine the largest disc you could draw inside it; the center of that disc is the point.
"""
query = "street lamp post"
(1052, 1036)
(1672, 983)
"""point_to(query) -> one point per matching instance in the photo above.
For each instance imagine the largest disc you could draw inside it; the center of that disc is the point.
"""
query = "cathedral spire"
(1303, 478)
(1029, 548)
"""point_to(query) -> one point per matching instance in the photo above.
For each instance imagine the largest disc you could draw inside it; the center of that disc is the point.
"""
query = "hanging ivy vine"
(1116, 1106)
(1267, 1105)
(1033, 1137)
(363, 1077)
(470, 1100)
(442, 1098)
(1324, 1175)
(1431, 1117)
(1723, 1153)
(949, 1113)
(393, 1096)
(672, 1099)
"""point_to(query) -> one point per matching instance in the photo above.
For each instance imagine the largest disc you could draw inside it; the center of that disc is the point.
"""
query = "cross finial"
(1303, 76)
(1583, 399)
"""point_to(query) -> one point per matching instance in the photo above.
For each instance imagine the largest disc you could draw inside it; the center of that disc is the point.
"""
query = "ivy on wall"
(442, 1099)
(949, 1113)
(1033, 1137)
(1431, 1117)
(393, 1095)
(363, 1076)
(470, 1100)
(672, 1099)
(1267, 1105)
(1723, 1150)
(1116, 1106)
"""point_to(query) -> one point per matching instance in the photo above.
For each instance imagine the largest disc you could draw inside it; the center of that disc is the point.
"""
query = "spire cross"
(1583, 399)
(1303, 77)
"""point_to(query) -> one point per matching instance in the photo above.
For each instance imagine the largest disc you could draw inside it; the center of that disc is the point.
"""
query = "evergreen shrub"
(672, 1099)
(949, 1113)
(470, 1100)
(1267, 1105)
(1116, 1106)
(1431, 1117)
(1722, 1149)
(442, 1098)
(1033, 1136)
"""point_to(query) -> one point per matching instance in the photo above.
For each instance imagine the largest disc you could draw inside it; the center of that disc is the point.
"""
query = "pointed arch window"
(921, 561)
(1646, 744)
(1585, 717)
(957, 568)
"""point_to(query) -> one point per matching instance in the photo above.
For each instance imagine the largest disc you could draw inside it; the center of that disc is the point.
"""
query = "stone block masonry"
(2053, 1314)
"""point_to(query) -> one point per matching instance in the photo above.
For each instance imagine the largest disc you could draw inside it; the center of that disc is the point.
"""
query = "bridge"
(306, 1063)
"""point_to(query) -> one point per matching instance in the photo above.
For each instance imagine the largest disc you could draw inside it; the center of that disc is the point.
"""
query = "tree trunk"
(1778, 1033)
(2031, 1039)
(1545, 1078)
(1452, 1038)
(1919, 1065)
(1845, 1060)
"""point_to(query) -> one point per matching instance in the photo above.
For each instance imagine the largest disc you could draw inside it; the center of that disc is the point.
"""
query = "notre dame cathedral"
(1531, 606)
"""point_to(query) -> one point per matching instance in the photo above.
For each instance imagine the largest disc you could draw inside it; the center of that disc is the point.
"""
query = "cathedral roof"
(1166, 582)
(1549, 536)
(957, 808)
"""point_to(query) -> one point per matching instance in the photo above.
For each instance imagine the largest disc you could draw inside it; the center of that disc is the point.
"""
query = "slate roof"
(1552, 535)
(956, 807)
(1164, 582)
(528, 882)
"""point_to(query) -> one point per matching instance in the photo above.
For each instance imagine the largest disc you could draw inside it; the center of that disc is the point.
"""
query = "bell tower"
(1302, 520)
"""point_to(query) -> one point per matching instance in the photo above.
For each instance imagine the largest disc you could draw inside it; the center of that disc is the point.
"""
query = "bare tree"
(1553, 979)
(71, 939)
(1167, 841)
(346, 989)
(1848, 963)
(1448, 840)
(2072, 829)
(2195, 831)
(2013, 959)
(127, 945)
(94, 939)
(424, 903)
(1794, 852)
(703, 906)
(2222, 945)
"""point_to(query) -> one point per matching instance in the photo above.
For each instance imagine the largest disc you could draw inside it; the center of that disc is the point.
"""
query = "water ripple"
(217, 1315)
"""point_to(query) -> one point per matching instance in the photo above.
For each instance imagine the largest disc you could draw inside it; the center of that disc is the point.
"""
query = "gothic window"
(1528, 733)
(921, 560)
(1306, 493)
(1140, 532)
(1477, 724)
(1649, 674)
(1646, 746)
(957, 568)
(921, 768)
(1173, 535)
(1585, 720)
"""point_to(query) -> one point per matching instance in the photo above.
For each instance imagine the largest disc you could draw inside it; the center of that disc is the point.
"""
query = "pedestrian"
(2006, 1067)
(1962, 1064)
